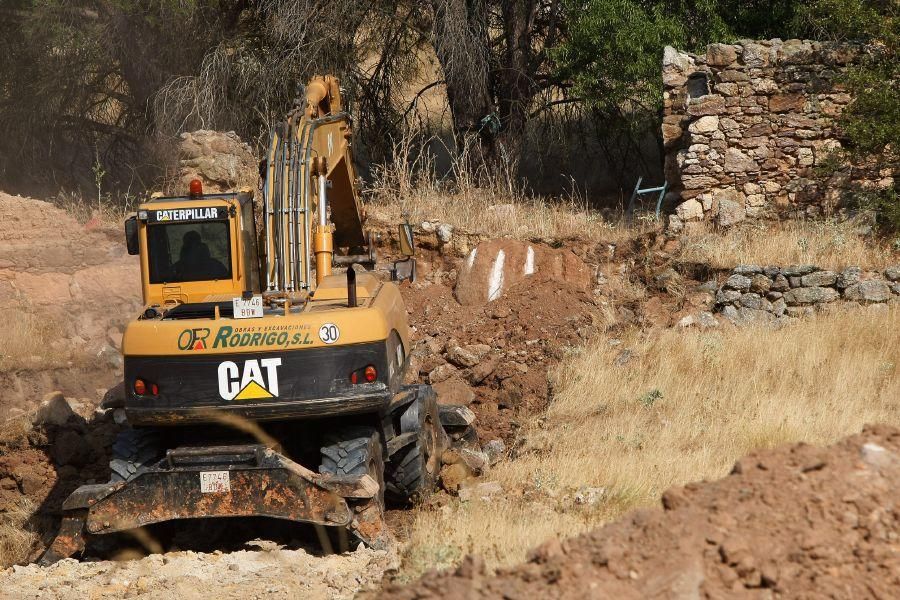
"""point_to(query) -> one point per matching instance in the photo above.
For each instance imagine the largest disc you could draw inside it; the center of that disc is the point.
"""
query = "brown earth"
(67, 290)
(795, 522)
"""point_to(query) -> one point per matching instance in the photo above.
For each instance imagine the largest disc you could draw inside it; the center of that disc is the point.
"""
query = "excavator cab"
(194, 247)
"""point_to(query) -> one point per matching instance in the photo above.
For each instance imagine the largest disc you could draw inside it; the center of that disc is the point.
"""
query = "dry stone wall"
(756, 294)
(746, 124)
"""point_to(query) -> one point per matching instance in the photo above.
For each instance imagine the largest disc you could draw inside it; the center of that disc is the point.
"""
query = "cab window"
(181, 252)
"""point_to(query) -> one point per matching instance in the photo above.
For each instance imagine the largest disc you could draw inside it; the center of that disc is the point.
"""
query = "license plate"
(214, 482)
(251, 308)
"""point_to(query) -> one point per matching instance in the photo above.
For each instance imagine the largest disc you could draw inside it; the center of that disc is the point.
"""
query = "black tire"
(413, 470)
(133, 451)
(354, 451)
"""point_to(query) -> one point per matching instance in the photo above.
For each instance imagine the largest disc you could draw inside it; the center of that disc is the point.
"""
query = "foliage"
(871, 124)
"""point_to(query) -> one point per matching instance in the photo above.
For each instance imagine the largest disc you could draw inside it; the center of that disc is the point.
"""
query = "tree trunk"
(462, 46)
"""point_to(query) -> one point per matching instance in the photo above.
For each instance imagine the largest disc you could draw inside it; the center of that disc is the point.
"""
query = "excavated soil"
(528, 330)
(795, 522)
(267, 573)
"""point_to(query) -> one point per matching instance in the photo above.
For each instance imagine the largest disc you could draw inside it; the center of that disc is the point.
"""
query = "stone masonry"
(756, 294)
(746, 124)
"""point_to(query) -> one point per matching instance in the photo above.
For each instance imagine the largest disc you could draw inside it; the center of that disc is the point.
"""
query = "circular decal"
(329, 333)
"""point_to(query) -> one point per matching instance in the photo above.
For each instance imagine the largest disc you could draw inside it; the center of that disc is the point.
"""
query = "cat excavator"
(259, 380)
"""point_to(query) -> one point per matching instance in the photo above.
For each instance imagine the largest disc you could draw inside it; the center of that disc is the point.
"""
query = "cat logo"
(249, 383)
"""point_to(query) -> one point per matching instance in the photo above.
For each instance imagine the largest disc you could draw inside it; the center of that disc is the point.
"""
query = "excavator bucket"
(221, 481)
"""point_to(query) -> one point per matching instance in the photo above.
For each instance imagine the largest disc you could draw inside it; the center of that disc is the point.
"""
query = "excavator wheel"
(133, 451)
(354, 451)
(413, 470)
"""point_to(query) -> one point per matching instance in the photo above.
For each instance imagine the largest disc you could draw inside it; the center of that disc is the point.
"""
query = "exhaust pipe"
(351, 287)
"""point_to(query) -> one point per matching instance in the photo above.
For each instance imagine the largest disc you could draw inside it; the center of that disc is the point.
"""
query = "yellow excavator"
(258, 381)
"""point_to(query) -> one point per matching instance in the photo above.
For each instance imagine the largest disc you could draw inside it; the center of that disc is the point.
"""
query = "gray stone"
(752, 301)
(774, 295)
(892, 273)
(675, 67)
(707, 320)
(755, 55)
(780, 284)
(731, 313)
(819, 279)
(708, 286)
(738, 282)
(848, 277)
(810, 295)
(495, 450)
(727, 296)
(730, 213)
(771, 271)
(751, 316)
(53, 410)
(760, 284)
(872, 290)
(795, 270)
(441, 373)
(445, 233)
(795, 282)
(747, 269)
(779, 306)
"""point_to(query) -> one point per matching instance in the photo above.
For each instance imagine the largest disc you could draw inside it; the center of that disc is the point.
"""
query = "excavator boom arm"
(314, 143)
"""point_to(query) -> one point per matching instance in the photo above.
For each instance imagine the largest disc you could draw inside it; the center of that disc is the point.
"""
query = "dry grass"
(479, 200)
(106, 211)
(827, 244)
(16, 539)
(684, 407)
(30, 341)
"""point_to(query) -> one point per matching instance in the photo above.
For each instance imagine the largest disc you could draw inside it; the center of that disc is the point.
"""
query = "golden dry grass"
(827, 244)
(30, 341)
(479, 201)
(684, 407)
(492, 214)
(16, 540)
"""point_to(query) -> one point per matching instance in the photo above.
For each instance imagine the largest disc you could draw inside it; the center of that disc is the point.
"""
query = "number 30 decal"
(329, 333)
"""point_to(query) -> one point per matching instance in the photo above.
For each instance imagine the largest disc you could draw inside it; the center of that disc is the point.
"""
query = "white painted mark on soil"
(529, 261)
(471, 258)
(495, 284)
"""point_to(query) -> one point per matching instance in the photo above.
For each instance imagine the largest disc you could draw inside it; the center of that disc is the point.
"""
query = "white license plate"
(214, 482)
(252, 308)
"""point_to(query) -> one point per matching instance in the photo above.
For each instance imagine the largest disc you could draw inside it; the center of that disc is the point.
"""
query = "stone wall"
(756, 294)
(746, 124)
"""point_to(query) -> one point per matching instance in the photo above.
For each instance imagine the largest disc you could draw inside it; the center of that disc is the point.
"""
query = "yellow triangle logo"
(253, 391)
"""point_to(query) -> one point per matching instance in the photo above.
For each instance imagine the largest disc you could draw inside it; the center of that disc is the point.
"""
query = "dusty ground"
(271, 573)
(794, 522)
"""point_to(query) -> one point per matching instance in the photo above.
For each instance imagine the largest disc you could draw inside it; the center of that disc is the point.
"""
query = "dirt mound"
(797, 521)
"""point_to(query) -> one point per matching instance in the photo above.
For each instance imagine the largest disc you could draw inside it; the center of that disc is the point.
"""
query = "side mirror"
(407, 242)
(131, 235)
